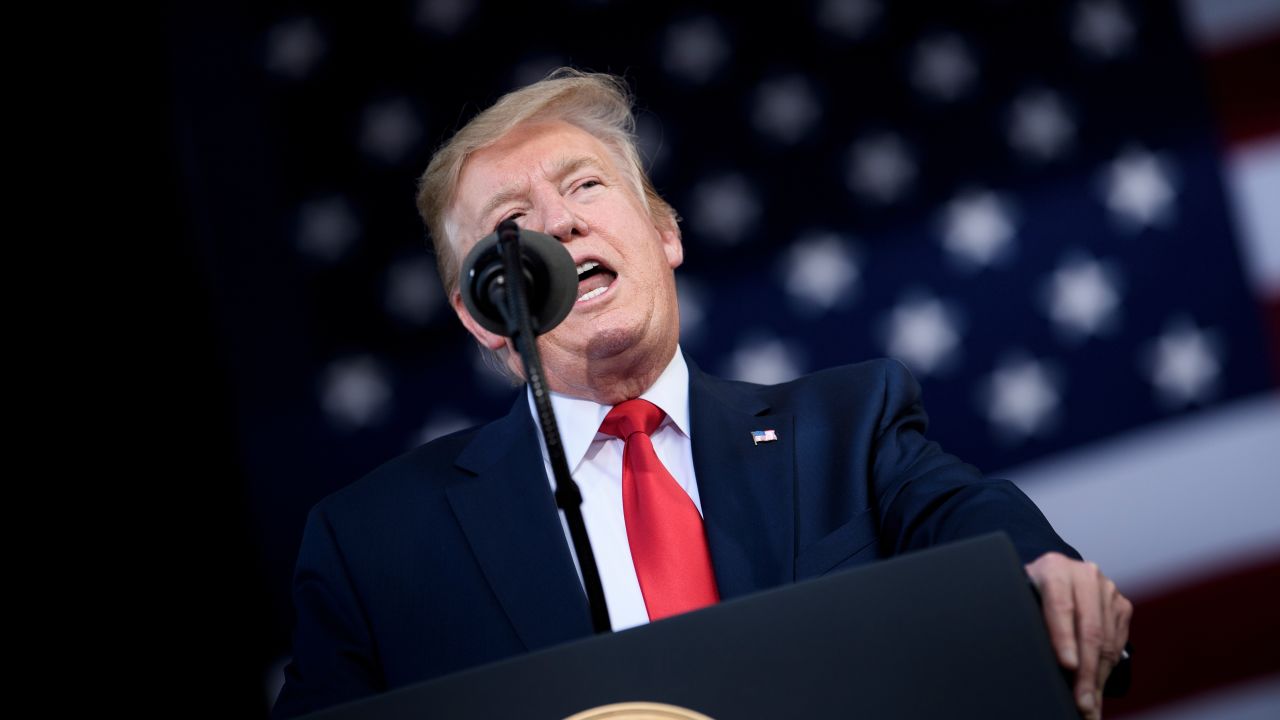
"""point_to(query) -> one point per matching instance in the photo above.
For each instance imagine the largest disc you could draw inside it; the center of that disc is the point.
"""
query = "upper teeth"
(587, 266)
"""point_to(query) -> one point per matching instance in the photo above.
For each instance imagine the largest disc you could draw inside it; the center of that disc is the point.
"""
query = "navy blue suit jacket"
(453, 554)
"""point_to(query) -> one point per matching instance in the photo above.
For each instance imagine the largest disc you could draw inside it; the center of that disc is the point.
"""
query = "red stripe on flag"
(1203, 636)
(1242, 81)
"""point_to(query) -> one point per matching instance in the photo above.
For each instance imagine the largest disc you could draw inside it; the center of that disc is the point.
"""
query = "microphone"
(550, 280)
(539, 294)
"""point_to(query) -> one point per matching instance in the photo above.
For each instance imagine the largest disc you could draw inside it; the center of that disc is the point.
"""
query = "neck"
(609, 381)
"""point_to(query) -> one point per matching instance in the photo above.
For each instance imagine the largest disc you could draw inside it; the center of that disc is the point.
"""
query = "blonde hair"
(598, 103)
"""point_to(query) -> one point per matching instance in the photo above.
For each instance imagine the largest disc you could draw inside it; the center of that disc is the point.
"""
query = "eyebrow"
(562, 168)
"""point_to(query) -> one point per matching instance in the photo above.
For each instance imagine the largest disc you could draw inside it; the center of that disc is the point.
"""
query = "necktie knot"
(632, 416)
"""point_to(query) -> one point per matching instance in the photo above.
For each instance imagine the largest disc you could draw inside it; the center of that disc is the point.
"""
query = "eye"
(588, 184)
(512, 216)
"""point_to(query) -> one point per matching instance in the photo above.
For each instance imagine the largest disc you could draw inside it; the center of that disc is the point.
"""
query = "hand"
(1088, 622)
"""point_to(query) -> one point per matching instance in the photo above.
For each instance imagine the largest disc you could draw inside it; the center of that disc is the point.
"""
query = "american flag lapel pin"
(762, 436)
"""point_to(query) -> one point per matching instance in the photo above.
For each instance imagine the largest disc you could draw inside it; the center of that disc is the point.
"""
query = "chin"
(612, 342)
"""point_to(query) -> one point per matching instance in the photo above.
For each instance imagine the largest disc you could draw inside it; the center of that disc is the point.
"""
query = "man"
(454, 555)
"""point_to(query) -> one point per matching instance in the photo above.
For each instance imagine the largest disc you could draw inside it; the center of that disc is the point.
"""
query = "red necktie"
(664, 529)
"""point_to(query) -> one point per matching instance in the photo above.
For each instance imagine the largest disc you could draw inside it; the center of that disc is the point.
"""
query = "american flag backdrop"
(1062, 216)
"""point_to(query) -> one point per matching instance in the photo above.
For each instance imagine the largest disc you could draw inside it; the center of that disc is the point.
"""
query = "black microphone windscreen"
(551, 281)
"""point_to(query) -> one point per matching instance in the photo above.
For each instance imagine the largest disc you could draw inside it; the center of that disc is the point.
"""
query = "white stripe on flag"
(1253, 179)
(1257, 700)
(1171, 502)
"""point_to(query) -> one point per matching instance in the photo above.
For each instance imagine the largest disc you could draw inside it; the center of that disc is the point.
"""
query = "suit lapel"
(747, 490)
(509, 517)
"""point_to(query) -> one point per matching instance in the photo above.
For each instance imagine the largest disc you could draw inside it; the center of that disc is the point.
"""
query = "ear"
(484, 337)
(669, 234)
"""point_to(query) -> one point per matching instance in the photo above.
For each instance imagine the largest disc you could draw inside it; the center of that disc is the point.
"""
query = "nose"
(561, 222)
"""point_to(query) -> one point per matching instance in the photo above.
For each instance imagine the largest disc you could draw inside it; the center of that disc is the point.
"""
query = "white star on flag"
(413, 292)
(924, 333)
(294, 48)
(1138, 188)
(1082, 297)
(766, 361)
(724, 208)
(327, 228)
(786, 108)
(1040, 129)
(820, 271)
(355, 392)
(445, 17)
(389, 130)
(850, 19)
(1022, 398)
(1102, 29)
(1184, 364)
(880, 168)
(695, 49)
(978, 229)
(943, 68)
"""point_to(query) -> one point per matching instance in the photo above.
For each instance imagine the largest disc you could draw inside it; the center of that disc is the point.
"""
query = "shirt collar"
(580, 419)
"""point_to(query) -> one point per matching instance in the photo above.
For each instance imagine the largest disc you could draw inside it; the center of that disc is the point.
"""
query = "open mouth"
(594, 280)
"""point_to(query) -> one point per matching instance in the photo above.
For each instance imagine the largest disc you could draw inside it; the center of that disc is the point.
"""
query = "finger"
(1058, 605)
(1124, 615)
(1105, 666)
(1089, 635)
(1109, 653)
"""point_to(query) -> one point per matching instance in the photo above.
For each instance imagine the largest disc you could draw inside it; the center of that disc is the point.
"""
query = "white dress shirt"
(595, 461)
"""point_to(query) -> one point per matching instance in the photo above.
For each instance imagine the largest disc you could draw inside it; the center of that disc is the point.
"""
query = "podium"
(950, 632)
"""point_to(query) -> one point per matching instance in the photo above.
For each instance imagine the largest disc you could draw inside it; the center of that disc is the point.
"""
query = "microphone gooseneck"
(521, 284)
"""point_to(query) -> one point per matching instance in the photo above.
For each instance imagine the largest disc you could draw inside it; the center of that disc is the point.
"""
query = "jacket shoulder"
(879, 383)
(868, 392)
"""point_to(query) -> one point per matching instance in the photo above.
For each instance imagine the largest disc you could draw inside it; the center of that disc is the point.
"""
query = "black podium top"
(950, 632)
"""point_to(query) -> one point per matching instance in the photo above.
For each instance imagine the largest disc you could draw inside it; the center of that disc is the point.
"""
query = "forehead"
(528, 153)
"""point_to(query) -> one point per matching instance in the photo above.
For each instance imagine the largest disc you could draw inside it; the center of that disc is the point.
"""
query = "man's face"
(555, 178)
